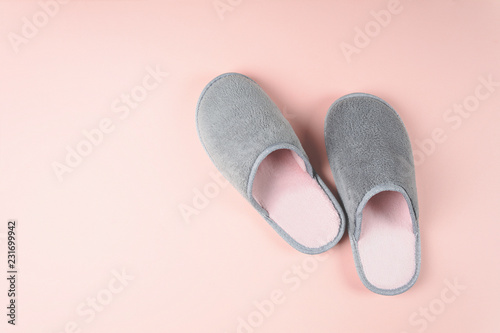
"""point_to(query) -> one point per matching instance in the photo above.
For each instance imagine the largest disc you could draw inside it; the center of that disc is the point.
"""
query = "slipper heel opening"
(294, 200)
(387, 242)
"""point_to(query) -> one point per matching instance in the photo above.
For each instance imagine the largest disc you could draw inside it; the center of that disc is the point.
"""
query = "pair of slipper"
(256, 149)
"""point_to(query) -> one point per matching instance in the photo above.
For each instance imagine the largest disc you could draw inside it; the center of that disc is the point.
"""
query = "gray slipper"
(256, 149)
(372, 163)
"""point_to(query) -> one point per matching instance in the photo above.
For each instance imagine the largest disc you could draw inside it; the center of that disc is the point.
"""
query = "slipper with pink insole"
(372, 163)
(256, 149)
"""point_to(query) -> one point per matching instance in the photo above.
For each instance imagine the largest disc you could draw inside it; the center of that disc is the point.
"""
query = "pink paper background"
(119, 209)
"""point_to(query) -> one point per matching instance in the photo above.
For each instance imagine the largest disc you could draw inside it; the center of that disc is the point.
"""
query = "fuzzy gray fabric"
(239, 125)
(369, 151)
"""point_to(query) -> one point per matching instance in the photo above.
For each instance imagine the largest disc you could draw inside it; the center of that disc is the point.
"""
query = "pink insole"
(387, 242)
(294, 200)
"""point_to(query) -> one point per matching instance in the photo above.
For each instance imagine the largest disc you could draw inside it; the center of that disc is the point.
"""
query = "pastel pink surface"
(120, 208)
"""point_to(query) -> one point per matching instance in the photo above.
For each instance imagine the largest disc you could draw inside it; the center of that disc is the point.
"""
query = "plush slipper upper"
(236, 122)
